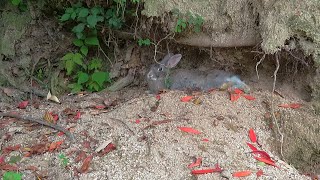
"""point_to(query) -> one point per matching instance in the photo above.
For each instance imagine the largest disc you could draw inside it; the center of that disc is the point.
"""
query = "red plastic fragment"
(252, 147)
(248, 97)
(267, 161)
(252, 136)
(189, 130)
(292, 105)
(205, 171)
(186, 98)
(238, 91)
(241, 173)
(197, 163)
(23, 104)
(259, 173)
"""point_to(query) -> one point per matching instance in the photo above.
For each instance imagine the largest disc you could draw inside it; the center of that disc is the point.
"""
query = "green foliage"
(144, 42)
(87, 73)
(10, 175)
(21, 5)
(89, 76)
(64, 160)
(187, 20)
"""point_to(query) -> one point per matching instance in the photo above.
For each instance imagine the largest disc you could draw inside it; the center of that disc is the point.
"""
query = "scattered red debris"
(238, 91)
(2, 159)
(158, 97)
(78, 115)
(261, 154)
(267, 161)
(81, 156)
(196, 163)
(234, 97)
(23, 104)
(110, 147)
(241, 173)
(248, 97)
(55, 117)
(252, 136)
(292, 106)
(86, 164)
(54, 145)
(252, 147)
(205, 171)
(186, 98)
(259, 173)
(189, 130)
(138, 121)
(8, 167)
(205, 139)
(9, 149)
(100, 107)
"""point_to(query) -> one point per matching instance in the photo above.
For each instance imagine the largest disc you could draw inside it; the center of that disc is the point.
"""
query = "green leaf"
(69, 66)
(75, 88)
(78, 28)
(16, 2)
(14, 159)
(92, 41)
(84, 50)
(96, 10)
(78, 42)
(82, 77)
(73, 15)
(94, 86)
(77, 58)
(80, 35)
(92, 21)
(67, 56)
(65, 17)
(95, 64)
(100, 77)
(69, 10)
(10, 175)
(84, 12)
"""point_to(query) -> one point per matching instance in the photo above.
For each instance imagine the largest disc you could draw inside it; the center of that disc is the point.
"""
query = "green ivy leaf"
(75, 88)
(77, 58)
(65, 17)
(10, 175)
(69, 10)
(73, 15)
(82, 77)
(95, 64)
(84, 12)
(100, 77)
(92, 21)
(92, 41)
(80, 35)
(94, 86)
(84, 50)
(67, 56)
(69, 66)
(16, 2)
(78, 42)
(96, 10)
(78, 28)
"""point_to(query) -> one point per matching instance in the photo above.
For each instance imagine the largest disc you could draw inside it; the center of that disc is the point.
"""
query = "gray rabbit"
(161, 76)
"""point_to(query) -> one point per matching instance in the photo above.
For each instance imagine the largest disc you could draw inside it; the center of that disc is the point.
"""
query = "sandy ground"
(149, 144)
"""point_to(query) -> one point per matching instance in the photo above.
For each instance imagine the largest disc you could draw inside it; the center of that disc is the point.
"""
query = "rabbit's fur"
(161, 76)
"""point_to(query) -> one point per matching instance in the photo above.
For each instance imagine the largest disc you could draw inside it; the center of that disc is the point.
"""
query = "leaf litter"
(86, 160)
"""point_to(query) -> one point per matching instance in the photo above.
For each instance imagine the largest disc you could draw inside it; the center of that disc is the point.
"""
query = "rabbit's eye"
(160, 69)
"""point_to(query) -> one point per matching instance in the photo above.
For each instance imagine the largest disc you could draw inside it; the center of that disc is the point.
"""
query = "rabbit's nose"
(151, 76)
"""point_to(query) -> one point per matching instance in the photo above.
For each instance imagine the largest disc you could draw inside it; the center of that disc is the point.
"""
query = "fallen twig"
(31, 119)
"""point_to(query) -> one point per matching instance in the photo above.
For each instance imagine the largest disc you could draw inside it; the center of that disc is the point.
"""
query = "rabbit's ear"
(166, 58)
(173, 60)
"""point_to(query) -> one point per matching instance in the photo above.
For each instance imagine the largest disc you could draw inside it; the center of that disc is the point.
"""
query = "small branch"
(33, 120)
(258, 63)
